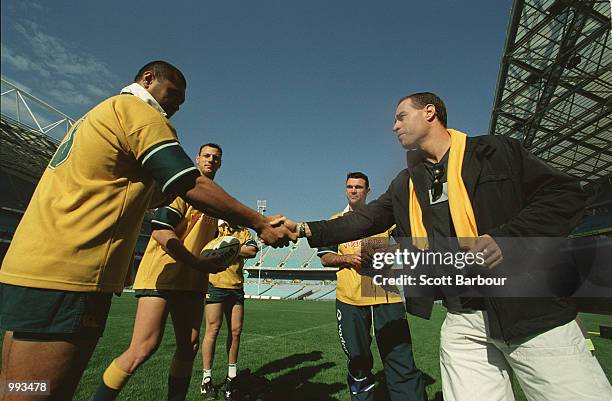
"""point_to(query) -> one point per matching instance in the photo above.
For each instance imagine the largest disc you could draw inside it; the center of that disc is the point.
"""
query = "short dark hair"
(162, 70)
(211, 145)
(422, 99)
(359, 174)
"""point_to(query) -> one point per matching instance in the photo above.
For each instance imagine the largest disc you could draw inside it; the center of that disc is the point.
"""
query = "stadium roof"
(30, 131)
(554, 91)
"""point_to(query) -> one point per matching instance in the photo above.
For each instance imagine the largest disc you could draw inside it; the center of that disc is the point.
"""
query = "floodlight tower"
(261, 208)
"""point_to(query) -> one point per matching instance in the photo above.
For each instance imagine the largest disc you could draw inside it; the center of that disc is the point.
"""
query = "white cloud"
(21, 62)
(46, 56)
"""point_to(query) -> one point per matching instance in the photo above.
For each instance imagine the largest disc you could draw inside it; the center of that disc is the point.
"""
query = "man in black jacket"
(485, 188)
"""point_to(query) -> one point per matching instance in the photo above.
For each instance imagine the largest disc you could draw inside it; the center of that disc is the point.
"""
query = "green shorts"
(42, 314)
(227, 296)
(169, 295)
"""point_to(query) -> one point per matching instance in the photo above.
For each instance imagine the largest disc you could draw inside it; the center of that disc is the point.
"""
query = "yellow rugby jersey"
(233, 276)
(157, 269)
(80, 228)
(353, 288)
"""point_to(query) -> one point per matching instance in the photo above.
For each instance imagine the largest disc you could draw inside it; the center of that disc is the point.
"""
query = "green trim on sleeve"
(166, 218)
(167, 162)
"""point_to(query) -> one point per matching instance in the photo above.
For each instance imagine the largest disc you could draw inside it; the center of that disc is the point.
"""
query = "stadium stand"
(16, 191)
(283, 291)
(274, 257)
(251, 289)
(597, 224)
(324, 293)
(300, 254)
(305, 291)
(315, 262)
(554, 86)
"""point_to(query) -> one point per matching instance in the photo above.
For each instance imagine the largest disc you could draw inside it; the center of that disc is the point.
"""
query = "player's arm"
(341, 261)
(331, 258)
(164, 222)
(249, 249)
(175, 248)
(175, 173)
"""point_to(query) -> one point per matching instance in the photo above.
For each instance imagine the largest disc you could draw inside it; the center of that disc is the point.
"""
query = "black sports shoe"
(207, 390)
(228, 390)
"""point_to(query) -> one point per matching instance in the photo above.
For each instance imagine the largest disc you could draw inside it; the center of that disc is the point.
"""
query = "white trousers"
(552, 366)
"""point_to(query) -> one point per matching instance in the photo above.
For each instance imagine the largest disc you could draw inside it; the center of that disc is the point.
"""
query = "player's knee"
(212, 329)
(236, 331)
(144, 351)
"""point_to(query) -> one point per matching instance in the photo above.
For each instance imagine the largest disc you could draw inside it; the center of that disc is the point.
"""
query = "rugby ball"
(223, 249)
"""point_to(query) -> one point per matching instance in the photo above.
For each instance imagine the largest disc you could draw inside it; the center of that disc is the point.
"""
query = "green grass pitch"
(293, 343)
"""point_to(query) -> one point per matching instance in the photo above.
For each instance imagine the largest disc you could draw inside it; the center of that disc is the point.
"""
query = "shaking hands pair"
(278, 230)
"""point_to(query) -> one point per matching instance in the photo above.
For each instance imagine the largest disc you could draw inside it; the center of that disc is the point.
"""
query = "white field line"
(290, 333)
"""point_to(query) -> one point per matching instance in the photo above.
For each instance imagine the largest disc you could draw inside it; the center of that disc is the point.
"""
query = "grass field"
(292, 343)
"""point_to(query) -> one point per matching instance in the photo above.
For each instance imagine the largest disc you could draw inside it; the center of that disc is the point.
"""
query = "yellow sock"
(114, 377)
(181, 368)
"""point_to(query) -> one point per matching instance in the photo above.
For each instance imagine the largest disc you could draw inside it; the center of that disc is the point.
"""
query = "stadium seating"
(16, 192)
(9, 218)
(324, 291)
(594, 225)
(299, 255)
(315, 262)
(274, 257)
(284, 291)
(251, 289)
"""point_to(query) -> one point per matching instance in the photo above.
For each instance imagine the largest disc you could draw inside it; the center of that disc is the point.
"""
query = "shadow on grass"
(295, 384)
(382, 392)
(289, 362)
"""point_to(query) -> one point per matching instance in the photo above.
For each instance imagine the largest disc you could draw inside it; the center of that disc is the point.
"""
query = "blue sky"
(296, 93)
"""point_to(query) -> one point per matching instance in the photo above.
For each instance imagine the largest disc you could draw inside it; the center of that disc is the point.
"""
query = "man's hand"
(491, 251)
(353, 261)
(277, 232)
(332, 259)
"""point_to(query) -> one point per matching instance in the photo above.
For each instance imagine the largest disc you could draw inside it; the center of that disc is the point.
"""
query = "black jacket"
(513, 194)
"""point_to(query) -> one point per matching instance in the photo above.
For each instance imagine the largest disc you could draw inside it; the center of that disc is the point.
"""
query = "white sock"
(232, 368)
(206, 375)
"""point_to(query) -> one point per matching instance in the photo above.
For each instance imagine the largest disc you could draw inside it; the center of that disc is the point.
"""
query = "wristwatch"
(301, 230)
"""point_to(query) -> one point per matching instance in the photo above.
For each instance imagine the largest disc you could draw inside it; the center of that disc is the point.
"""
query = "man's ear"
(430, 112)
(147, 79)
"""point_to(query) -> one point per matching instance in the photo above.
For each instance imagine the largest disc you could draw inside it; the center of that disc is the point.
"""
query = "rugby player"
(360, 304)
(225, 297)
(74, 244)
(170, 280)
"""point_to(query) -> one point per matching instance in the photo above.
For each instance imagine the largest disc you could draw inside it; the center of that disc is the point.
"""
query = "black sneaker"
(228, 390)
(207, 390)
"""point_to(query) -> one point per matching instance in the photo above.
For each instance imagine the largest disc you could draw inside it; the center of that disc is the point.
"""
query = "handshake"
(278, 230)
